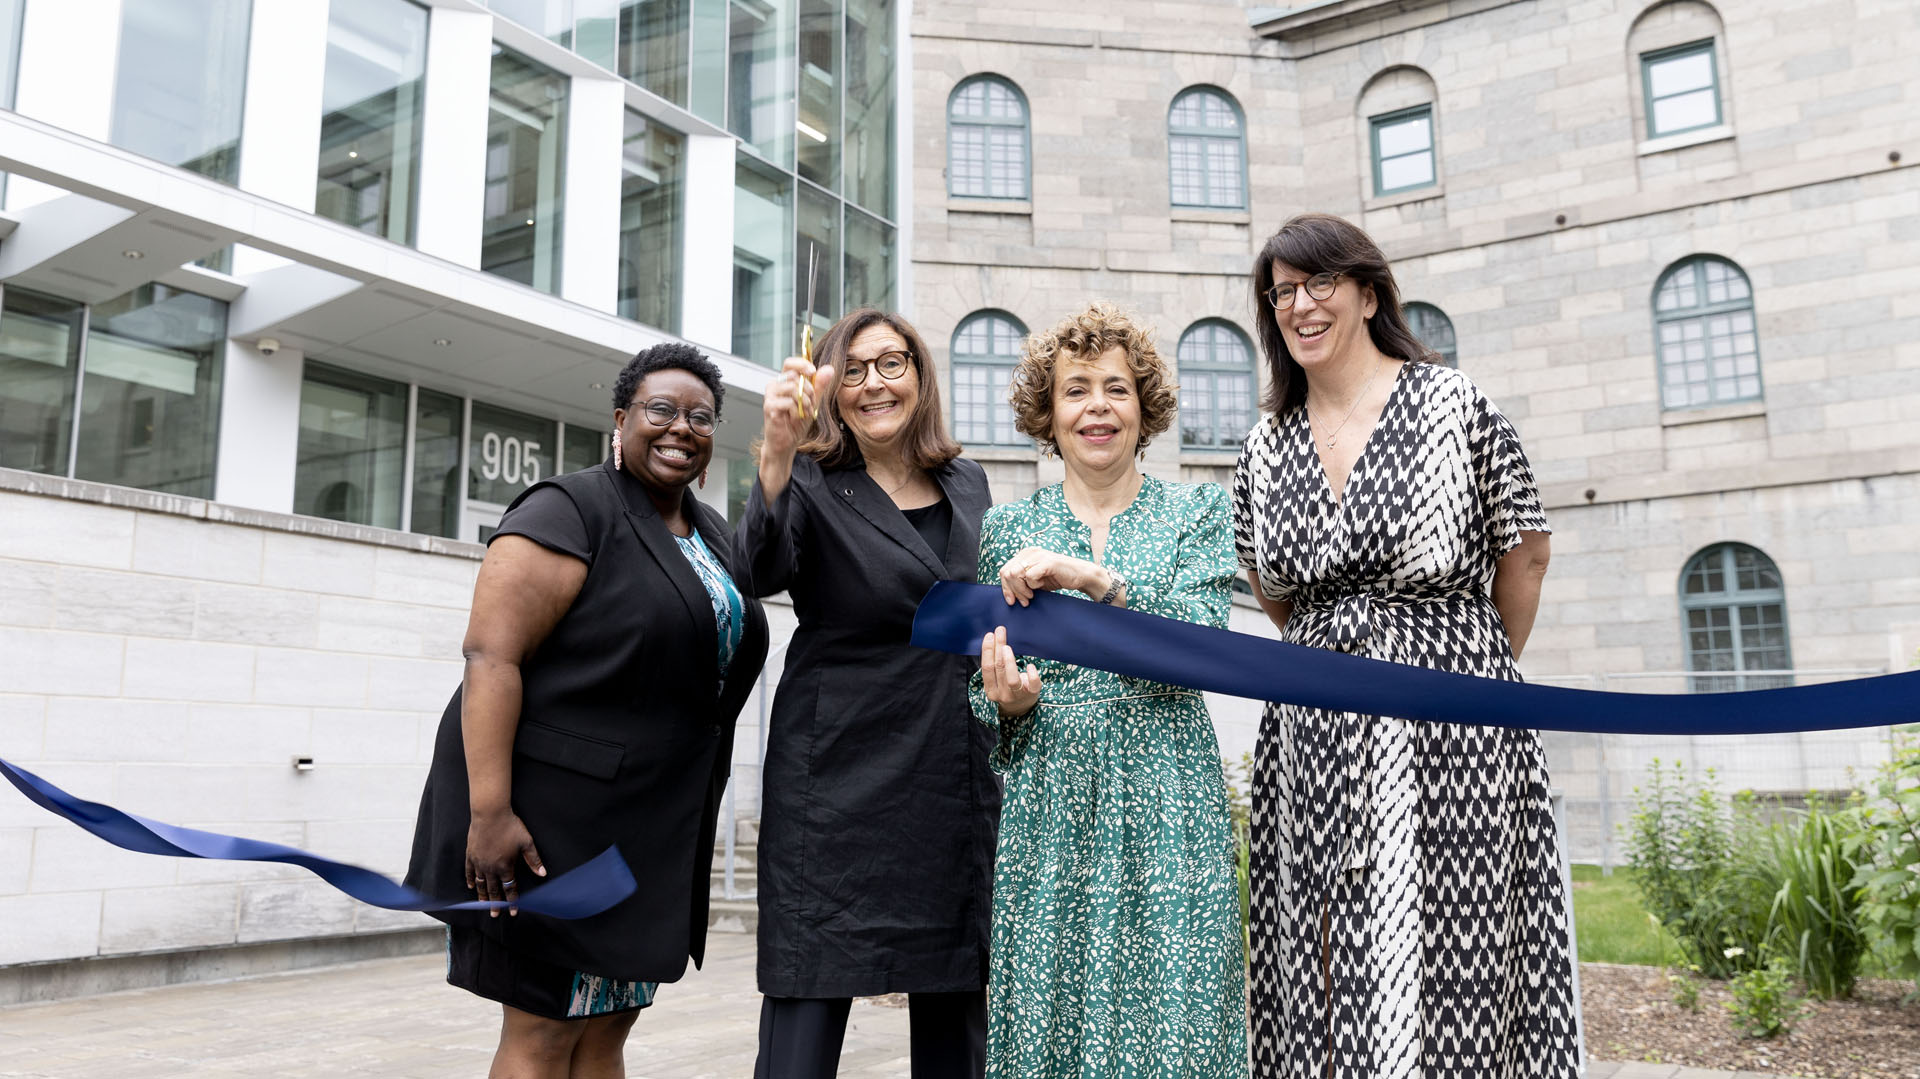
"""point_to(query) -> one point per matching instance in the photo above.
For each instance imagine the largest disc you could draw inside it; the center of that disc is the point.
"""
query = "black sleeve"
(548, 517)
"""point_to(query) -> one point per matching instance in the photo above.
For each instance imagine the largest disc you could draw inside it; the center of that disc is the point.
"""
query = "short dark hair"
(1316, 244)
(925, 442)
(671, 356)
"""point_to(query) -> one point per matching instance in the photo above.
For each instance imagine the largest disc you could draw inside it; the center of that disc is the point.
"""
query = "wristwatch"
(1118, 586)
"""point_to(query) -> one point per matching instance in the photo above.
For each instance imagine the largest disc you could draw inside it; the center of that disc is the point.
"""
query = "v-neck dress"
(1424, 852)
(1116, 915)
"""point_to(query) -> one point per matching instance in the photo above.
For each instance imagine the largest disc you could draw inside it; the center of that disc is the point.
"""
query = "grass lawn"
(1612, 926)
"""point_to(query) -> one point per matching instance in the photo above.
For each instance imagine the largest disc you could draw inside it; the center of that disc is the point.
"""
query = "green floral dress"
(1116, 916)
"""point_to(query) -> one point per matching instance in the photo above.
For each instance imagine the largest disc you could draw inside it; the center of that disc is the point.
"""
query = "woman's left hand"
(1036, 569)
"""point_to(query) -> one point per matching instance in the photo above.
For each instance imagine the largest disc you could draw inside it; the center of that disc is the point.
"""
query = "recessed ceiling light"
(353, 153)
(131, 253)
(443, 342)
(596, 385)
(529, 220)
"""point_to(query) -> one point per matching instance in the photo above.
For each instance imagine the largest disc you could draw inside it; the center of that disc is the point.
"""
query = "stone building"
(1678, 243)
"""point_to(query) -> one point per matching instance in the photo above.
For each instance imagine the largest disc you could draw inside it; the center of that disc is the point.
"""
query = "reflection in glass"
(181, 76)
(39, 361)
(818, 126)
(870, 254)
(585, 447)
(652, 171)
(760, 60)
(353, 447)
(436, 465)
(10, 14)
(1403, 150)
(818, 231)
(762, 259)
(150, 395)
(370, 119)
(707, 94)
(596, 31)
(551, 19)
(653, 44)
(507, 452)
(868, 167)
(526, 165)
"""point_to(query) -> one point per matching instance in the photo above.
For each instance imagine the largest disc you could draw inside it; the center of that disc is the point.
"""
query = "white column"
(68, 49)
(453, 137)
(259, 426)
(280, 126)
(903, 301)
(706, 283)
(714, 494)
(590, 222)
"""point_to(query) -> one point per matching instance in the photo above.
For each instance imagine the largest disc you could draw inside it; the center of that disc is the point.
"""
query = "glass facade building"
(181, 81)
(371, 114)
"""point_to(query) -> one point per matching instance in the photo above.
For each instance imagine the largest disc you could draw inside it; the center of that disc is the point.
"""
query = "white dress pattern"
(1422, 855)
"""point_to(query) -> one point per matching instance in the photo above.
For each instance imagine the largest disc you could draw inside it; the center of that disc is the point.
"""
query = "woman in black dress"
(879, 810)
(608, 653)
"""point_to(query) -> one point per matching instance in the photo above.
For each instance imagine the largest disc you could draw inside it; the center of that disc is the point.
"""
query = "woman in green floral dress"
(1116, 919)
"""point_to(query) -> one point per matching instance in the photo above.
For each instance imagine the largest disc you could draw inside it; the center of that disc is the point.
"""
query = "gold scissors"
(806, 329)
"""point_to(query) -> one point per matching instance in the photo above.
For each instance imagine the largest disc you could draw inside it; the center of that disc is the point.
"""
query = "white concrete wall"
(65, 77)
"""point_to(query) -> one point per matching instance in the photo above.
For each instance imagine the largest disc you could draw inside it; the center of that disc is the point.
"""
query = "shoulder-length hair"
(924, 442)
(1316, 244)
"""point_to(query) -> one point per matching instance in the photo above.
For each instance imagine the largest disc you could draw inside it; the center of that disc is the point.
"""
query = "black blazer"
(622, 740)
(879, 813)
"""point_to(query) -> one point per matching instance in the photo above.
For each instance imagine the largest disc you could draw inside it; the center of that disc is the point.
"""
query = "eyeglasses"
(890, 365)
(661, 413)
(1320, 286)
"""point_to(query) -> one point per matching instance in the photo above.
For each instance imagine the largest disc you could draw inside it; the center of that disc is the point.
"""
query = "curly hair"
(1083, 338)
(670, 356)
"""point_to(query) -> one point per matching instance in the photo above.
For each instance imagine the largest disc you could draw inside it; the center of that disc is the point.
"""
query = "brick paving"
(398, 1018)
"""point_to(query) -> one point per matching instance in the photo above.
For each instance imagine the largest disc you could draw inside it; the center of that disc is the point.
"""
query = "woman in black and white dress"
(1408, 918)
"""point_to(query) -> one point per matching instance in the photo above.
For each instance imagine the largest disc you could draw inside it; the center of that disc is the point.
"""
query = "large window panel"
(652, 202)
(1403, 150)
(351, 462)
(1704, 325)
(150, 392)
(1206, 151)
(762, 260)
(180, 80)
(507, 452)
(585, 448)
(818, 124)
(370, 120)
(987, 140)
(525, 172)
(760, 87)
(653, 46)
(1682, 89)
(1216, 386)
(437, 462)
(39, 372)
(869, 147)
(986, 346)
(1435, 330)
(818, 241)
(11, 12)
(1734, 606)
(871, 251)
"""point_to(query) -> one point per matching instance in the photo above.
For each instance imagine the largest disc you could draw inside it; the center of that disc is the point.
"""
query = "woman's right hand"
(1011, 689)
(780, 407)
(497, 844)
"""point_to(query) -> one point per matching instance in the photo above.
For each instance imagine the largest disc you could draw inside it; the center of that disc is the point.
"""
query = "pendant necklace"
(1359, 397)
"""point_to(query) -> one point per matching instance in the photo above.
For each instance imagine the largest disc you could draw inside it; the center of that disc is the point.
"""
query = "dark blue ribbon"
(953, 617)
(581, 892)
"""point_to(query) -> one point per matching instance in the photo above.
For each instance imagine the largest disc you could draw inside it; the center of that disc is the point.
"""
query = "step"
(733, 916)
(744, 856)
(744, 879)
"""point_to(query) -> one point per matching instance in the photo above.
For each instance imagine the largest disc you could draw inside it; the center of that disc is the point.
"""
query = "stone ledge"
(1680, 417)
(1435, 190)
(1661, 145)
(18, 481)
(1013, 207)
(1211, 217)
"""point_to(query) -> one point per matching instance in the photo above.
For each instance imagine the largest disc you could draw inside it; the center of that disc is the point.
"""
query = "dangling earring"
(616, 448)
(703, 478)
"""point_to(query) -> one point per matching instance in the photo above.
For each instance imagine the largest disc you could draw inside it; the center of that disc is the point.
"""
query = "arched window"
(1206, 151)
(987, 140)
(1679, 59)
(1703, 321)
(1734, 607)
(1435, 330)
(986, 346)
(1216, 385)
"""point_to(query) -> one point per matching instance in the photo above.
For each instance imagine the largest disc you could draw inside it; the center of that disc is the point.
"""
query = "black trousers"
(800, 1037)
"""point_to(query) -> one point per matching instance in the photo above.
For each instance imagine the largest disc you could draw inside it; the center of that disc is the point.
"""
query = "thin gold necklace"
(1359, 397)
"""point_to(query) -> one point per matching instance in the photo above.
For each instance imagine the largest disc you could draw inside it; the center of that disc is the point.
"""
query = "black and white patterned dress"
(1426, 850)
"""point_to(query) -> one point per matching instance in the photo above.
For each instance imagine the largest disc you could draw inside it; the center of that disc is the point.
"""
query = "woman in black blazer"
(879, 813)
(608, 653)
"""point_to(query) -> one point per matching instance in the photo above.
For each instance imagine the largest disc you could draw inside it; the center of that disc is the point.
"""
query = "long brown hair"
(1316, 244)
(924, 441)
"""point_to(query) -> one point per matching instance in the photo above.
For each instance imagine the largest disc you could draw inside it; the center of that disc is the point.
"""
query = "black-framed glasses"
(661, 413)
(891, 366)
(1320, 286)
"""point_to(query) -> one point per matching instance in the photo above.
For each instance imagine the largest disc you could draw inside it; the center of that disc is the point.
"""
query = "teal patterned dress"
(1116, 915)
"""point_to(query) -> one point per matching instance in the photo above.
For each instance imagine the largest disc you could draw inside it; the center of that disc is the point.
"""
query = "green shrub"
(1812, 921)
(1685, 985)
(1764, 1003)
(1886, 853)
(1694, 860)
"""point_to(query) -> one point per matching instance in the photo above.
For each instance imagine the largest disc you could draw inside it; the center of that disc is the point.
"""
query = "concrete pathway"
(397, 1018)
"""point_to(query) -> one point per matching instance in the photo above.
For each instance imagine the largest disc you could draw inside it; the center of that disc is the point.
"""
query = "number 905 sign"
(508, 453)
